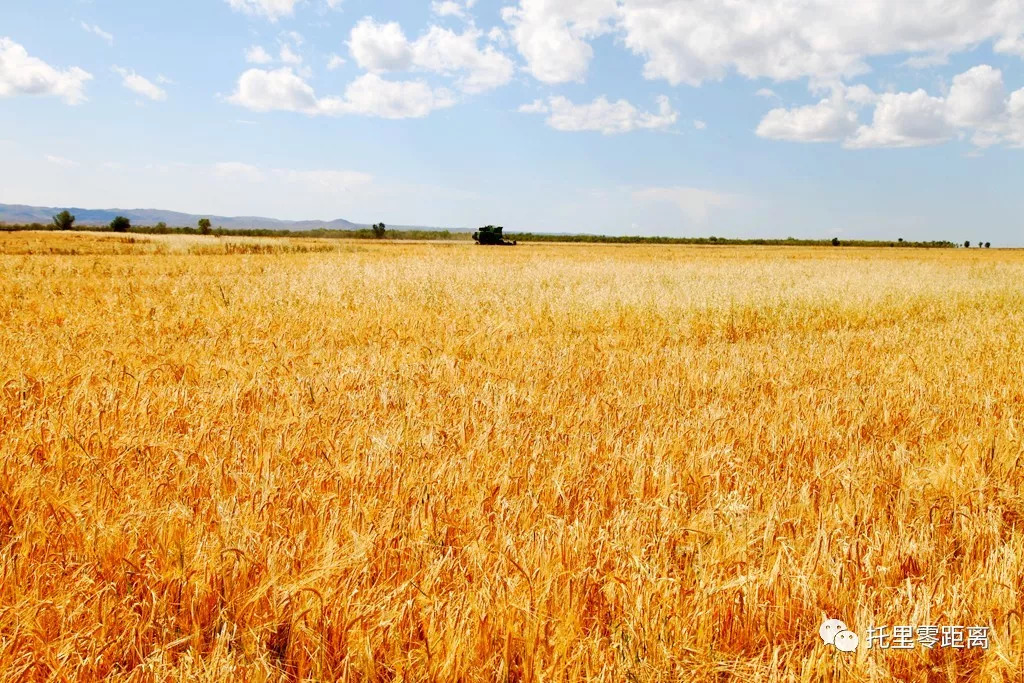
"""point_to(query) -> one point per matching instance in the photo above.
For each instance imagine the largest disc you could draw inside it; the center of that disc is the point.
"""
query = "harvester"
(490, 234)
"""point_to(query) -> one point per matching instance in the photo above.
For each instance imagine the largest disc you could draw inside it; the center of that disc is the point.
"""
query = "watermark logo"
(930, 636)
(836, 633)
(847, 641)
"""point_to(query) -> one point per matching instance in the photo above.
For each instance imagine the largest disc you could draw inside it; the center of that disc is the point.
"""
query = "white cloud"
(602, 115)
(21, 74)
(1011, 44)
(554, 36)
(288, 56)
(905, 119)
(699, 125)
(696, 204)
(379, 47)
(978, 102)
(767, 92)
(1013, 134)
(535, 107)
(444, 51)
(446, 8)
(268, 9)
(140, 85)
(858, 94)
(976, 105)
(451, 8)
(498, 37)
(691, 41)
(335, 62)
(384, 47)
(97, 31)
(61, 161)
(257, 55)
(976, 98)
(293, 37)
(830, 119)
(280, 89)
(370, 95)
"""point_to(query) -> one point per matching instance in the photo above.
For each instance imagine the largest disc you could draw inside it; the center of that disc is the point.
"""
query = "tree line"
(66, 221)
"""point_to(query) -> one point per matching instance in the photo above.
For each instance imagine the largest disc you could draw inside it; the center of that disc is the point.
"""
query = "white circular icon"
(829, 629)
(846, 641)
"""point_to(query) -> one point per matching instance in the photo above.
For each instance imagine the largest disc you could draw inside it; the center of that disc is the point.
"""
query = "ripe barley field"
(227, 459)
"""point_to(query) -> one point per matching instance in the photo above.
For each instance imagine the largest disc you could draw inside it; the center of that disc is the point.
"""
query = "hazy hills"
(22, 214)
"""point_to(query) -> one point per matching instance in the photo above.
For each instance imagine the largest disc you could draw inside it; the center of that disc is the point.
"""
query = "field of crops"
(234, 459)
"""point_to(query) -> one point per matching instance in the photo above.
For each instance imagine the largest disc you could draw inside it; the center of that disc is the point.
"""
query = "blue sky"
(876, 119)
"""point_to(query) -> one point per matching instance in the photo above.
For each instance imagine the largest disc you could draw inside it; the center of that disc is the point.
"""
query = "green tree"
(120, 224)
(378, 230)
(835, 241)
(204, 226)
(64, 220)
(967, 243)
(161, 228)
(988, 245)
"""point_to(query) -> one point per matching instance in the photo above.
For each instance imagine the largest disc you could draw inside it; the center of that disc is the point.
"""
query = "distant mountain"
(21, 214)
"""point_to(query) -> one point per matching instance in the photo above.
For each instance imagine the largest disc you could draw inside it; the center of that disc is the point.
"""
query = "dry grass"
(444, 462)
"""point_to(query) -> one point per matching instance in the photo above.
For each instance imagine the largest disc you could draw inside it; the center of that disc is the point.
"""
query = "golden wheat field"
(248, 460)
